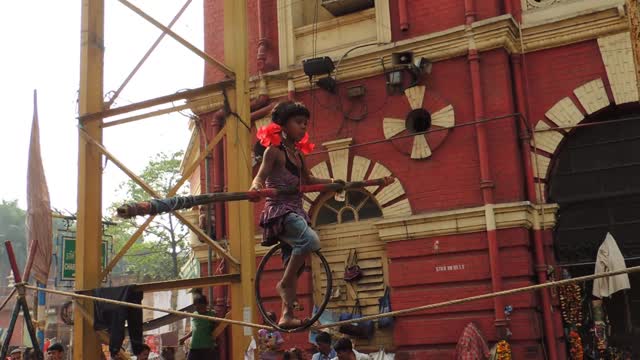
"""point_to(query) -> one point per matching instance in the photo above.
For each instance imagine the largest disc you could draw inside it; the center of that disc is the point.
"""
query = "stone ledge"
(461, 221)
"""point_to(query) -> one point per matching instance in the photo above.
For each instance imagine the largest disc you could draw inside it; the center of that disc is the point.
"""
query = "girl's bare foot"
(290, 323)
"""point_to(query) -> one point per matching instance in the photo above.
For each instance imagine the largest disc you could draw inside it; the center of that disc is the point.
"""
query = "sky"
(40, 42)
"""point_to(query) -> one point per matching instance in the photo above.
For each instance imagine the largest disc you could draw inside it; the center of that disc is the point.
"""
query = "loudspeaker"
(318, 66)
(401, 58)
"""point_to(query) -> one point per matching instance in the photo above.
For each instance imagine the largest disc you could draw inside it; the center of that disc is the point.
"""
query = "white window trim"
(286, 31)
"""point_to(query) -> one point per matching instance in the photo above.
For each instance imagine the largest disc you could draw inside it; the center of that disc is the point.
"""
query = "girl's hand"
(255, 187)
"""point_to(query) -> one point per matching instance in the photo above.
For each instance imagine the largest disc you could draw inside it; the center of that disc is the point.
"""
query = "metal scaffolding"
(92, 115)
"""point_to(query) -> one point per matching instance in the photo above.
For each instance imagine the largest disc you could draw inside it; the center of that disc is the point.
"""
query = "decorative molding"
(592, 96)
(454, 222)
(540, 165)
(339, 157)
(580, 27)
(421, 149)
(390, 198)
(548, 140)
(539, 12)
(469, 220)
(618, 60)
(564, 113)
(442, 117)
(501, 32)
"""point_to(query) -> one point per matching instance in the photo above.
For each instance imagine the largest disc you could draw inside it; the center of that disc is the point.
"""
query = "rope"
(145, 307)
(480, 297)
(364, 318)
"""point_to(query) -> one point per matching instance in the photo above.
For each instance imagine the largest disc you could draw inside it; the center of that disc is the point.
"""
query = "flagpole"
(41, 315)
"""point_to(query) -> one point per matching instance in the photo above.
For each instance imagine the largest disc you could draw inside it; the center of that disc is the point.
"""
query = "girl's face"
(296, 127)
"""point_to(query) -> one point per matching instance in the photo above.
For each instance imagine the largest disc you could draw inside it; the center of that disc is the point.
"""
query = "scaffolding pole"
(241, 230)
(89, 226)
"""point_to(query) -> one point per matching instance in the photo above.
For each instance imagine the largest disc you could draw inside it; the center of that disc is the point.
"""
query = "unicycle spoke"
(324, 265)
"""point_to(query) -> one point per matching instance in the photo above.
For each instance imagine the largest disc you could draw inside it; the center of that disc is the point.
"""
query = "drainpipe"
(403, 14)
(259, 107)
(486, 184)
(507, 7)
(263, 42)
(469, 12)
(541, 266)
(220, 300)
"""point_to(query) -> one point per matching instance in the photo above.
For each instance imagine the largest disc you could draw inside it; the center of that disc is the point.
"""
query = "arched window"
(357, 205)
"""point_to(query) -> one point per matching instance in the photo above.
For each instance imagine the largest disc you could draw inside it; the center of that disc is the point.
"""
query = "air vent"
(343, 7)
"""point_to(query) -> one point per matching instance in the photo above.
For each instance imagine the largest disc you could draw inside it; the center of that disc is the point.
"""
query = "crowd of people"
(53, 352)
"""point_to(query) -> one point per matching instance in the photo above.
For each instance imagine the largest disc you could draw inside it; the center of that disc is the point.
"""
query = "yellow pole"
(89, 226)
(238, 156)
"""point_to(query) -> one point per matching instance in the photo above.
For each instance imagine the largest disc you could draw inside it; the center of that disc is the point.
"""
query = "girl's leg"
(303, 241)
(287, 289)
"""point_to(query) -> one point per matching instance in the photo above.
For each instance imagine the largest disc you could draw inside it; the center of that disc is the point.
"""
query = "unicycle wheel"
(320, 309)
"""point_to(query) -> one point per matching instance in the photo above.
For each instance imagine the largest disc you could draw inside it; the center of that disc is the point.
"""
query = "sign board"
(69, 257)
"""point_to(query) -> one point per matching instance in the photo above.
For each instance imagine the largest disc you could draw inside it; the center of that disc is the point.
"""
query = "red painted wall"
(553, 74)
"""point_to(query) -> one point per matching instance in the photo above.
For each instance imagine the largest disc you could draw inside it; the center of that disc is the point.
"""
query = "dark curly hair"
(285, 110)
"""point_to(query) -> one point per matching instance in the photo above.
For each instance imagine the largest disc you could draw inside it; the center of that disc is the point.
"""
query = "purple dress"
(276, 208)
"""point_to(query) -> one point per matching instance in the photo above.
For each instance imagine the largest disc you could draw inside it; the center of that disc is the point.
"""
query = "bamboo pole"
(181, 95)
(163, 206)
(89, 225)
(190, 169)
(222, 67)
(146, 55)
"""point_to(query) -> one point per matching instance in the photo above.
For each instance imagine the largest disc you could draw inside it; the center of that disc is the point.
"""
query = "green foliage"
(12, 227)
(163, 249)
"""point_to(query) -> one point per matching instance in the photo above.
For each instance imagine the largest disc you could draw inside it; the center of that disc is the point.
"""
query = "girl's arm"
(311, 180)
(268, 162)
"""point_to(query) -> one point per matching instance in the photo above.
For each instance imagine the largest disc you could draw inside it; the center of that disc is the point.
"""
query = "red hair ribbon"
(270, 135)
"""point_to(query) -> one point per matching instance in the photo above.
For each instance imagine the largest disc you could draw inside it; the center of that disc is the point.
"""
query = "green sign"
(69, 257)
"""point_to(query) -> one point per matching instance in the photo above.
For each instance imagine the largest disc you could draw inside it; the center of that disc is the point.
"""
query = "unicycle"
(320, 308)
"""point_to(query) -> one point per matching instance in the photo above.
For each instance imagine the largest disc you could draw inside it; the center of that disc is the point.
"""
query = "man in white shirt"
(325, 352)
(344, 350)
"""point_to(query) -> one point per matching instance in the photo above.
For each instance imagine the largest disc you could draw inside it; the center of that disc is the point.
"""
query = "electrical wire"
(375, 142)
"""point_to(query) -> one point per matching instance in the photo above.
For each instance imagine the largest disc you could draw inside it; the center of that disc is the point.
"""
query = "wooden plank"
(189, 283)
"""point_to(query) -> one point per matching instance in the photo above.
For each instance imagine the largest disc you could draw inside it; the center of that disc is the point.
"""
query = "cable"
(421, 133)
(550, 284)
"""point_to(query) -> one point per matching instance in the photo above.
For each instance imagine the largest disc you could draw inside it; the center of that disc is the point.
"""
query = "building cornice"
(501, 32)
(460, 221)
(469, 220)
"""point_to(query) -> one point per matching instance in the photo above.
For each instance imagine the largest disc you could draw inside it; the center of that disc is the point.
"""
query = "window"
(343, 7)
(358, 205)
(329, 27)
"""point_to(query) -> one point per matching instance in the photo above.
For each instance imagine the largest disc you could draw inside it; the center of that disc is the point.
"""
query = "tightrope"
(145, 307)
(480, 297)
(340, 323)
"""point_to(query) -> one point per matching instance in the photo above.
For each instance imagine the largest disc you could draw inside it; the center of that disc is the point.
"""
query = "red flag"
(38, 206)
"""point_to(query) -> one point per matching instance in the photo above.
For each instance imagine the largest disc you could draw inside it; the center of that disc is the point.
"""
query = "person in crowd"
(202, 342)
(55, 352)
(292, 354)
(269, 341)
(144, 354)
(323, 342)
(345, 351)
(16, 354)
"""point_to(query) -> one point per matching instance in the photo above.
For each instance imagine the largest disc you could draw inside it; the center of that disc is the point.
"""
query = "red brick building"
(477, 203)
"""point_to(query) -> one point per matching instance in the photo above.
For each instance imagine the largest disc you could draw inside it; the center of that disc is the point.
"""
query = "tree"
(163, 250)
(12, 227)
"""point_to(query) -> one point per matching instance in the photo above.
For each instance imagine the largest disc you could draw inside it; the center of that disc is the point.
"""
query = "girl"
(283, 218)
